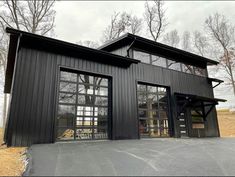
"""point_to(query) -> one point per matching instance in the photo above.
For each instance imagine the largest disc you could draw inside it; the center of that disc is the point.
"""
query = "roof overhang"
(38, 42)
(194, 101)
(159, 49)
(66, 48)
(195, 98)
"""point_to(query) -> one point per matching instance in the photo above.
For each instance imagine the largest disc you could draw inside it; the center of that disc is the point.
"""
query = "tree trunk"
(233, 83)
(4, 113)
(228, 65)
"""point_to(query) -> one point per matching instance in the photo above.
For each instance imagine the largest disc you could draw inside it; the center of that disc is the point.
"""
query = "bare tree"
(186, 41)
(122, 23)
(172, 38)
(33, 16)
(222, 32)
(3, 57)
(136, 25)
(110, 32)
(155, 18)
(90, 44)
(200, 43)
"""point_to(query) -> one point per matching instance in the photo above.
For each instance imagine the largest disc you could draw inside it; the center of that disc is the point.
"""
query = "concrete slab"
(184, 157)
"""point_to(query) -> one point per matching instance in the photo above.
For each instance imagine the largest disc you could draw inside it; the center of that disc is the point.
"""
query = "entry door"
(82, 107)
(153, 111)
(197, 122)
(184, 123)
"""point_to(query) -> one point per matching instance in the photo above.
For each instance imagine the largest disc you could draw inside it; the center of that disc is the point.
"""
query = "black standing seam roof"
(69, 45)
(152, 46)
(61, 47)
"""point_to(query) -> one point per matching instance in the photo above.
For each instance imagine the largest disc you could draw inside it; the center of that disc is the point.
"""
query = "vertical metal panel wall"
(33, 104)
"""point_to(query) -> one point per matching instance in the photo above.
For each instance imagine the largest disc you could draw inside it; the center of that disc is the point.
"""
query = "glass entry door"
(153, 111)
(82, 107)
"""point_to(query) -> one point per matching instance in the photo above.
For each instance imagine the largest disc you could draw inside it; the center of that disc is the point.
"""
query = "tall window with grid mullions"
(152, 111)
(82, 107)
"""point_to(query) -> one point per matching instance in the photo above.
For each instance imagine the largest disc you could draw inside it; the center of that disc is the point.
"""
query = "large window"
(82, 107)
(167, 63)
(153, 111)
(200, 71)
(173, 65)
(158, 61)
(188, 68)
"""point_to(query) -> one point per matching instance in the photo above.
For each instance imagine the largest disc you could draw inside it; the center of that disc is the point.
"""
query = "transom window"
(82, 107)
(167, 63)
(153, 111)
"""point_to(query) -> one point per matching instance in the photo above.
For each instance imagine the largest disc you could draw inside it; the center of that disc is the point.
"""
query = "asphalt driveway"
(184, 157)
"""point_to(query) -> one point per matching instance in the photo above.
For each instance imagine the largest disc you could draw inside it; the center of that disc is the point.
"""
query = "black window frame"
(204, 74)
(168, 111)
(109, 100)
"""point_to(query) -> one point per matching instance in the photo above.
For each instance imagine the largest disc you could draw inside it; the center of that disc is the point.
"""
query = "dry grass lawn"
(11, 159)
(226, 121)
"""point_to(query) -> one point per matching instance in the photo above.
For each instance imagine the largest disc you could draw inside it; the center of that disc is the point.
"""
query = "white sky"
(79, 20)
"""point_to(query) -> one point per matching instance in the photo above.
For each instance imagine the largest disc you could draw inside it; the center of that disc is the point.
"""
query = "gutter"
(71, 45)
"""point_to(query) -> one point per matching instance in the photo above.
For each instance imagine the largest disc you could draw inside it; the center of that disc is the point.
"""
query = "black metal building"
(129, 88)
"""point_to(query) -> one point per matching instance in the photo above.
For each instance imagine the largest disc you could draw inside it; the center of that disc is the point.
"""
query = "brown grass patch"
(11, 159)
(226, 121)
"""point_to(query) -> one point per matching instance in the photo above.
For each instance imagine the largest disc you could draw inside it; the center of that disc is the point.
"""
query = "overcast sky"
(78, 20)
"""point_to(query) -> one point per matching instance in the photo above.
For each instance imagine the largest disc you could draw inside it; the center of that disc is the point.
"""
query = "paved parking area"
(184, 157)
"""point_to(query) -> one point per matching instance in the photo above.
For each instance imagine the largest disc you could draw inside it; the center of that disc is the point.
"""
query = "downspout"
(128, 50)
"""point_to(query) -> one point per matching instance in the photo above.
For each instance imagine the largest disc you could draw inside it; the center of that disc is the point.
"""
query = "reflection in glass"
(143, 57)
(84, 121)
(83, 133)
(86, 116)
(152, 97)
(200, 71)
(101, 81)
(168, 63)
(151, 89)
(153, 119)
(158, 61)
(67, 98)
(86, 79)
(65, 134)
(187, 68)
(103, 91)
(173, 65)
(84, 110)
(67, 76)
(85, 89)
(66, 115)
(141, 87)
(102, 111)
(86, 99)
(68, 87)
(101, 101)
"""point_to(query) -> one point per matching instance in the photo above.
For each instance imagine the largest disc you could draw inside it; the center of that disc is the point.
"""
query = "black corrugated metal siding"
(33, 104)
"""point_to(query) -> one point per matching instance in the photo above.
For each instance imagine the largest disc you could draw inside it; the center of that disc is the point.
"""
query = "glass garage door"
(153, 111)
(82, 107)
